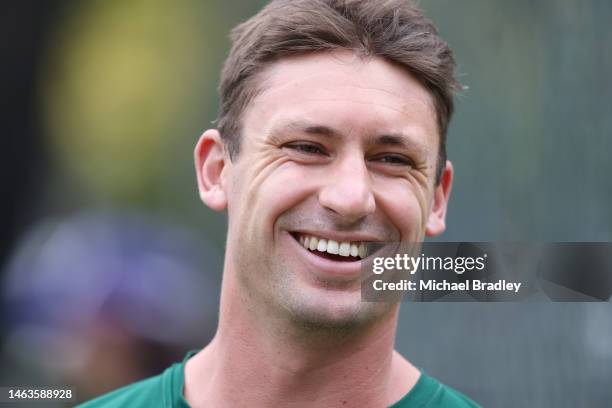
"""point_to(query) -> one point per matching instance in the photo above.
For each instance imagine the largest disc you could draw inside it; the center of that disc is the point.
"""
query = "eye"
(394, 159)
(307, 148)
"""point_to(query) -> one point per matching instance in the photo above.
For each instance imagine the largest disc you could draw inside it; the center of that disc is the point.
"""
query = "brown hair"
(392, 29)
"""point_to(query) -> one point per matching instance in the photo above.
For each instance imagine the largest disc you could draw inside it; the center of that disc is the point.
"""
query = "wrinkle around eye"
(268, 161)
(412, 175)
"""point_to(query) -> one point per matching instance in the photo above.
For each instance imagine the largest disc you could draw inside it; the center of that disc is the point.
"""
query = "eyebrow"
(307, 128)
(387, 139)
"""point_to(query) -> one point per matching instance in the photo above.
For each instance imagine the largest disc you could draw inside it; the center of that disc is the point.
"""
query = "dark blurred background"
(109, 260)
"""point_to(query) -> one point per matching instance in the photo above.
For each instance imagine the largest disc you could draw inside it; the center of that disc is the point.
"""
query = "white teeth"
(354, 249)
(345, 249)
(313, 243)
(322, 246)
(332, 247)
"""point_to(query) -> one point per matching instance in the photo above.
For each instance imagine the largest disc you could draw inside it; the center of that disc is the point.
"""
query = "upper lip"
(339, 236)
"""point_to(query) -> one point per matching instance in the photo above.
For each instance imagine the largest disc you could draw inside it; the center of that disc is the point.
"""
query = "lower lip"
(327, 268)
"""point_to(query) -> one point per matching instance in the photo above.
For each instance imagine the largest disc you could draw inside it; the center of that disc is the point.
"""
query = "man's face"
(334, 148)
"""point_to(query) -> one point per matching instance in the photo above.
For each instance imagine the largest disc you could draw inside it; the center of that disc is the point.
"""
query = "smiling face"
(336, 151)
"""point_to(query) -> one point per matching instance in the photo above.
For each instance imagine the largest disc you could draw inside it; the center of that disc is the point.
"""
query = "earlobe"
(436, 223)
(210, 162)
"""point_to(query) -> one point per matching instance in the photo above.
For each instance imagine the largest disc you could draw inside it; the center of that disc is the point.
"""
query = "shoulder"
(147, 393)
(430, 393)
(164, 390)
(448, 397)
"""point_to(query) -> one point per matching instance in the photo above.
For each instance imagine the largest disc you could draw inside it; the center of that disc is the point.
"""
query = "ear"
(210, 163)
(436, 223)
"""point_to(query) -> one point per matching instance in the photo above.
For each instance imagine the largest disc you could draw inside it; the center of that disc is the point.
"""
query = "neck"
(273, 361)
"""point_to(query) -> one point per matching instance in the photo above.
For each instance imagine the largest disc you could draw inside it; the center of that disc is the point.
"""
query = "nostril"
(348, 205)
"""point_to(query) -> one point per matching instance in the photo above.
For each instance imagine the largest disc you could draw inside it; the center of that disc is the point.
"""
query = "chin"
(333, 310)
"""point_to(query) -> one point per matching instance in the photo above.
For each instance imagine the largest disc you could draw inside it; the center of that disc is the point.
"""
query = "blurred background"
(109, 260)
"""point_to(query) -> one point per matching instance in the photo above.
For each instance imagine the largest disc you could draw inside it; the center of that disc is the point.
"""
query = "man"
(332, 130)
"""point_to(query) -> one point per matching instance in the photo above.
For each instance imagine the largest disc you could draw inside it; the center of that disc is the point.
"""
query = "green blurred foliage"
(129, 86)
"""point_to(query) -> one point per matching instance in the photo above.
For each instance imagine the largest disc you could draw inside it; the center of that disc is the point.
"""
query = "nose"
(348, 191)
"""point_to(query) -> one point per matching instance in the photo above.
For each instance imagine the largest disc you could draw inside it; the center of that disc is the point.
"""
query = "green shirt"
(166, 390)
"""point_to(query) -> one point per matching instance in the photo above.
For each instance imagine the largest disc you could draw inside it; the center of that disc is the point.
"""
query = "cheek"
(406, 206)
(290, 186)
(265, 199)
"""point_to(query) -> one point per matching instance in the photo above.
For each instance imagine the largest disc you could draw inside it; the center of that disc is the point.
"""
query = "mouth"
(339, 251)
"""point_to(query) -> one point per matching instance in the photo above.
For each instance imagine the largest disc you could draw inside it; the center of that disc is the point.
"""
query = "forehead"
(344, 91)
